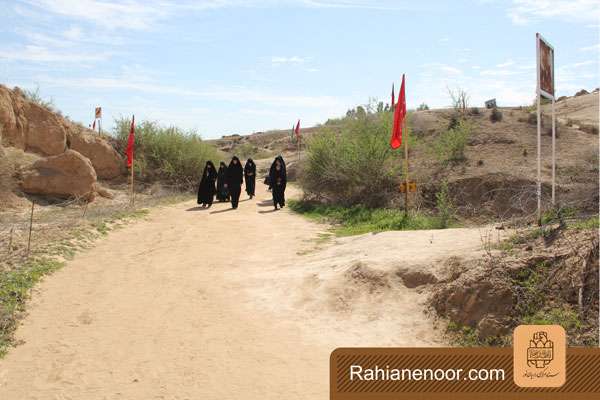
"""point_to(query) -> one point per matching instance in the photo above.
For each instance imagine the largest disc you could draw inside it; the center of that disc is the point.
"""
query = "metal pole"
(100, 126)
(30, 228)
(553, 155)
(132, 187)
(405, 167)
(10, 240)
(539, 135)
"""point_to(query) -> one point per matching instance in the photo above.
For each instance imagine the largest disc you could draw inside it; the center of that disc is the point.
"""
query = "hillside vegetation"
(168, 154)
(486, 158)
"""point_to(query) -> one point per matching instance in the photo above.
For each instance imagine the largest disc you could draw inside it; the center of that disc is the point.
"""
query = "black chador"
(235, 178)
(222, 192)
(206, 190)
(250, 177)
(268, 179)
(278, 181)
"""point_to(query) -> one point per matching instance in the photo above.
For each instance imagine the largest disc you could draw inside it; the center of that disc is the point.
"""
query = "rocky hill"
(46, 154)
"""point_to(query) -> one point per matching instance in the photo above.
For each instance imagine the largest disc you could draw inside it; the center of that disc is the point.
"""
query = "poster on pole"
(545, 67)
(545, 88)
(98, 112)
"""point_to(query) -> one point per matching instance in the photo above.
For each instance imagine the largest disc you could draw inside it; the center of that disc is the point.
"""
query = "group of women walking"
(226, 182)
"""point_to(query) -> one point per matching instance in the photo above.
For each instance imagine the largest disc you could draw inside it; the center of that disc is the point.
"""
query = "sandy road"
(201, 304)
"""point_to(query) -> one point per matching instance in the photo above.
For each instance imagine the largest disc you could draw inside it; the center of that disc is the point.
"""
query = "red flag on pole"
(297, 130)
(130, 142)
(399, 114)
(94, 125)
(393, 98)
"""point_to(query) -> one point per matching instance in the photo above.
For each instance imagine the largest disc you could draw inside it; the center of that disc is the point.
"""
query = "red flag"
(94, 125)
(297, 130)
(130, 142)
(399, 114)
(393, 98)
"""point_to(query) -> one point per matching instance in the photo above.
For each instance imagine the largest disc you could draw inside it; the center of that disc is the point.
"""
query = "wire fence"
(44, 227)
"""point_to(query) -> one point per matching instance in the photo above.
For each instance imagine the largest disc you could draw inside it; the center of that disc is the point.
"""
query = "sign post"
(545, 87)
(99, 118)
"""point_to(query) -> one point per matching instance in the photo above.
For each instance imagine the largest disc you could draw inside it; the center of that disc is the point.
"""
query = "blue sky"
(231, 66)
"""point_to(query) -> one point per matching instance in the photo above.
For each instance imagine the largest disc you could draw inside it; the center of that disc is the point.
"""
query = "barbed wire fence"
(46, 228)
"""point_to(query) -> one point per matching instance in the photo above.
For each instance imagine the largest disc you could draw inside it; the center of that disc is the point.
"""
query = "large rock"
(29, 126)
(11, 132)
(66, 175)
(45, 132)
(105, 159)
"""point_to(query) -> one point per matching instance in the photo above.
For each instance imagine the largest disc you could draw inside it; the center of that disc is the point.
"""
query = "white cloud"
(144, 14)
(594, 47)
(32, 53)
(499, 72)
(73, 33)
(145, 84)
(431, 69)
(132, 14)
(506, 64)
(278, 60)
(389, 5)
(523, 11)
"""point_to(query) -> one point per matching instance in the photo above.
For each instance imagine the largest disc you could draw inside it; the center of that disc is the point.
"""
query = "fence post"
(10, 239)
(30, 228)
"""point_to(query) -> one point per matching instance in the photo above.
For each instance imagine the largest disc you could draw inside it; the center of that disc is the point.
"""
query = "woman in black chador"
(222, 192)
(206, 190)
(250, 177)
(235, 178)
(278, 181)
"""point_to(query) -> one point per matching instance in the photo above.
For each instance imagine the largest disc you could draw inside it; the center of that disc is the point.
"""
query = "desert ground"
(213, 304)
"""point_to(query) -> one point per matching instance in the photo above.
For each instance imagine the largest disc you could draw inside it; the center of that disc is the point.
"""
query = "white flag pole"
(539, 133)
(553, 154)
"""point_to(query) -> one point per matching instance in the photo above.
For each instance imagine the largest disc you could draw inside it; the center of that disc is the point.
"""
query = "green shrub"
(163, 153)
(248, 150)
(357, 220)
(450, 146)
(353, 164)
(34, 96)
(445, 208)
(496, 115)
(423, 107)
(565, 317)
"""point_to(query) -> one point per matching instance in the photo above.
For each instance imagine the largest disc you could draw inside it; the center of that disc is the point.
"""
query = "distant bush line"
(166, 153)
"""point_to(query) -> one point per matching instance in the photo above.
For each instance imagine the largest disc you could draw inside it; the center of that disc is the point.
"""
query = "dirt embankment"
(534, 277)
(498, 177)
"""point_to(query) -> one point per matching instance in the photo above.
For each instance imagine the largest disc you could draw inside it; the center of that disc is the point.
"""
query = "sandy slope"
(219, 304)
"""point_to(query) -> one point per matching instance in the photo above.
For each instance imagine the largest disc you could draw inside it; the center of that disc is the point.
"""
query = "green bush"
(353, 164)
(35, 96)
(445, 208)
(166, 153)
(423, 107)
(496, 115)
(450, 146)
(565, 317)
(248, 150)
(474, 111)
(356, 220)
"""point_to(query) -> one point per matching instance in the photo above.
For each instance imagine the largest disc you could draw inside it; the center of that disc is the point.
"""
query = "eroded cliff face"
(33, 128)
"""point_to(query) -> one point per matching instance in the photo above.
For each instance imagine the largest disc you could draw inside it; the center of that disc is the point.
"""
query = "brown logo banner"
(461, 373)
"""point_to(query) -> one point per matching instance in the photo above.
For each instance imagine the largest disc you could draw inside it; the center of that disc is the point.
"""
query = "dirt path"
(219, 304)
